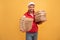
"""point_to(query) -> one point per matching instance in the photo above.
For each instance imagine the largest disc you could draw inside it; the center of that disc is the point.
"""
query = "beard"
(31, 10)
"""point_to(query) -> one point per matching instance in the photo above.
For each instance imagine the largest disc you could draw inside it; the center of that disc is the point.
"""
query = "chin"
(32, 10)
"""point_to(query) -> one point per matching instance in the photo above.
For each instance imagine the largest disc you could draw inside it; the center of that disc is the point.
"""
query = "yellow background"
(12, 10)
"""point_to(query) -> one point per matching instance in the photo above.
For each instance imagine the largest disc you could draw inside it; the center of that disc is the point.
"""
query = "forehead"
(32, 5)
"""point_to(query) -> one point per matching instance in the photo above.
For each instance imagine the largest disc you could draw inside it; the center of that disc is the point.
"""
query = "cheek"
(29, 8)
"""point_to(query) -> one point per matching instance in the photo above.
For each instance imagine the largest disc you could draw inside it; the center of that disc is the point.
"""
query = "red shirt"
(34, 25)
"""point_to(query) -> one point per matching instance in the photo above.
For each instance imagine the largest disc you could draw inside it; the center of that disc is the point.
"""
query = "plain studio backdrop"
(12, 10)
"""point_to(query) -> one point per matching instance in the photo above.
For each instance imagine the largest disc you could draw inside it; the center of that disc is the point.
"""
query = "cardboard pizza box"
(26, 23)
(40, 16)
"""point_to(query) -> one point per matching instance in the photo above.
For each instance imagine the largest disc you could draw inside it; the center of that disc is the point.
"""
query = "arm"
(40, 22)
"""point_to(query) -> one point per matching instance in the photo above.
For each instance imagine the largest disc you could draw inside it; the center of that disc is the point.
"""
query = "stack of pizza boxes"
(26, 23)
(40, 16)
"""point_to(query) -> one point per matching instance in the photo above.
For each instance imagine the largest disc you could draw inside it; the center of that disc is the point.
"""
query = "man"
(32, 34)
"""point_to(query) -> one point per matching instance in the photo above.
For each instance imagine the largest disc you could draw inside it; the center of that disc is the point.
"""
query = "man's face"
(31, 8)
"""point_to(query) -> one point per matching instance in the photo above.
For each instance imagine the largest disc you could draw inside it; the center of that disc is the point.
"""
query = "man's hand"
(22, 30)
(42, 18)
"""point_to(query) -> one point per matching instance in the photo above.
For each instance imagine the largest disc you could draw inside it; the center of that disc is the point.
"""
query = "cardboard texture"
(26, 23)
(40, 16)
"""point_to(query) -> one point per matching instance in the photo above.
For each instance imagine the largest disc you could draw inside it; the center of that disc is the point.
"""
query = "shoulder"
(26, 14)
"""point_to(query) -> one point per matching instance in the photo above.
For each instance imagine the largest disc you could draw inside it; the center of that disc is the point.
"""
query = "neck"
(31, 12)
